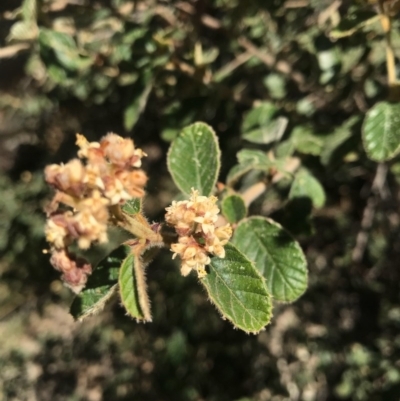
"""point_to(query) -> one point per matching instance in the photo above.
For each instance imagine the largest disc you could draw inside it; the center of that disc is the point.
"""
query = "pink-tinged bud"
(133, 182)
(56, 230)
(117, 150)
(121, 152)
(86, 229)
(75, 270)
(88, 190)
(97, 205)
(68, 178)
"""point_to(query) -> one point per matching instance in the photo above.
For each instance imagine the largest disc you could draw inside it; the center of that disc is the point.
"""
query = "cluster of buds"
(105, 175)
(198, 237)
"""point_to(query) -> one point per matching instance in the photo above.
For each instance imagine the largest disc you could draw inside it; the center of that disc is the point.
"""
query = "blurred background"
(145, 69)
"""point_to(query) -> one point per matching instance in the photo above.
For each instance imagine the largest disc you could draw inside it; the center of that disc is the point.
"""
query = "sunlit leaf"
(194, 159)
(381, 131)
(128, 288)
(65, 49)
(277, 256)
(238, 291)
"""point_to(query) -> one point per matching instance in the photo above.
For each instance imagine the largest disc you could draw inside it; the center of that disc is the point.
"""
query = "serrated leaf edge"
(212, 300)
(273, 222)
(99, 305)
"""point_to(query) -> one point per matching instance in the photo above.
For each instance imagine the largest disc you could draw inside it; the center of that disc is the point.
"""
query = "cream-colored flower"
(85, 146)
(68, 177)
(114, 190)
(192, 255)
(224, 233)
(75, 270)
(133, 182)
(56, 232)
(97, 205)
(121, 151)
(194, 221)
(108, 176)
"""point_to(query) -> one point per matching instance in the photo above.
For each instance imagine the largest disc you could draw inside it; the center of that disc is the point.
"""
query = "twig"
(231, 66)
(328, 12)
(11, 51)
(270, 61)
(377, 188)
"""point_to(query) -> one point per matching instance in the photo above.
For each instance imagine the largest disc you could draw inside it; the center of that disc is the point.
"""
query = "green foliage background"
(146, 69)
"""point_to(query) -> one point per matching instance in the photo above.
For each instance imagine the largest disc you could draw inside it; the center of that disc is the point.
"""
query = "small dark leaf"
(233, 208)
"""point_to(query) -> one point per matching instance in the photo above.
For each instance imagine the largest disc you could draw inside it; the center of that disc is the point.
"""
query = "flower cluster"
(105, 174)
(198, 237)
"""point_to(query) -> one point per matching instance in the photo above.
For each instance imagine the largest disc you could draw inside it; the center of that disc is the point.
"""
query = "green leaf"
(305, 141)
(260, 126)
(238, 291)
(352, 22)
(128, 288)
(65, 49)
(337, 139)
(194, 159)
(258, 116)
(29, 10)
(255, 160)
(277, 256)
(248, 160)
(100, 287)
(257, 156)
(239, 170)
(276, 85)
(381, 131)
(136, 107)
(132, 206)
(271, 132)
(305, 185)
(23, 31)
(233, 208)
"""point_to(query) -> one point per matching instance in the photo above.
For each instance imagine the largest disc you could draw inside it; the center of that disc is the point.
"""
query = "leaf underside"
(128, 288)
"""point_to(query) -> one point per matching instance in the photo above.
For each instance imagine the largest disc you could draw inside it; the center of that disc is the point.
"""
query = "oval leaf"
(381, 131)
(276, 255)
(194, 159)
(128, 288)
(136, 107)
(258, 116)
(233, 208)
(65, 49)
(305, 141)
(305, 185)
(238, 291)
(238, 171)
(270, 132)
